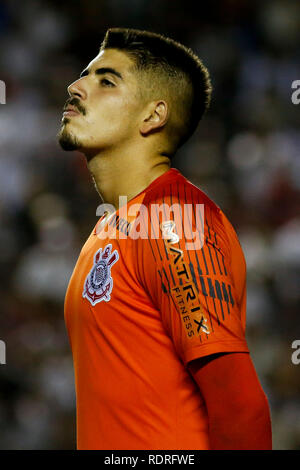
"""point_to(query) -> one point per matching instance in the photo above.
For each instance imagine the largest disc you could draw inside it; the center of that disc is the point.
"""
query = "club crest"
(99, 283)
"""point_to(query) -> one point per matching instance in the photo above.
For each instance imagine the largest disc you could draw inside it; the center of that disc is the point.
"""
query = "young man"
(156, 306)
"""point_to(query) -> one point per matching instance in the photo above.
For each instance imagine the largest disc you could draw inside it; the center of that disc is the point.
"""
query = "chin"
(68, 141)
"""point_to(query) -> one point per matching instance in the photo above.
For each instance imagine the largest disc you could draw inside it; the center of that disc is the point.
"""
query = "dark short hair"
(172, 61)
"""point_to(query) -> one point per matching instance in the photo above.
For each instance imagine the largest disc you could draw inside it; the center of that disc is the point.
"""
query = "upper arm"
(192, 284)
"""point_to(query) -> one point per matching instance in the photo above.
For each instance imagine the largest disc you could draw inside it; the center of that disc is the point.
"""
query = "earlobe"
(146, 125)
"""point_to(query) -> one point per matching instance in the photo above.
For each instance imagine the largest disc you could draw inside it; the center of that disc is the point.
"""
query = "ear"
(156, 117)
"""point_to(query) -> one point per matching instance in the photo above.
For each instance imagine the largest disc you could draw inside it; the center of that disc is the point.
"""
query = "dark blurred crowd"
(244, 155)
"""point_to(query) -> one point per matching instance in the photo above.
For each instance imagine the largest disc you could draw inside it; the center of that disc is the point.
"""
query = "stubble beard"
(67, 140)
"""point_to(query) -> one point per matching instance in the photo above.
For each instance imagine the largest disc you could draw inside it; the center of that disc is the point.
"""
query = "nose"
(76, 89)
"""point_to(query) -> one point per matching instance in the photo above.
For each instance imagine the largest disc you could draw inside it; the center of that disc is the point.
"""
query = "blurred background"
(244, 155)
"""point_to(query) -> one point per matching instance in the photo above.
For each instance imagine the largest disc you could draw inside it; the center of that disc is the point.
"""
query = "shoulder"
(178, 189)
(180, 200)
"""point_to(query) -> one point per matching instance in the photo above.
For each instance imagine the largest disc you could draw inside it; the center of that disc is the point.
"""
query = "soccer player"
(156, 306)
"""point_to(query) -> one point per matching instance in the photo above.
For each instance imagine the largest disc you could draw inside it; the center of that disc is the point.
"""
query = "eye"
(106, 82)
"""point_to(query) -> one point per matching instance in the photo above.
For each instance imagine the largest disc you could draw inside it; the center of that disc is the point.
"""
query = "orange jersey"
(153, 289)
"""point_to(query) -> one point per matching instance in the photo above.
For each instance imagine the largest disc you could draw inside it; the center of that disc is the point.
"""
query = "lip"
(70, 112)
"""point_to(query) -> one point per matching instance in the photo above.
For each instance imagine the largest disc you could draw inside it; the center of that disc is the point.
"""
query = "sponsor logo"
(167, 231)
(184, 293)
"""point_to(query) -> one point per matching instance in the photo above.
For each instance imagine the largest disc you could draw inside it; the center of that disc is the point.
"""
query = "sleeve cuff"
(213, 348)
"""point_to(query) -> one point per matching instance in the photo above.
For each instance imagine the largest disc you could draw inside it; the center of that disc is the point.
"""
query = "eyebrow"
(102, 71)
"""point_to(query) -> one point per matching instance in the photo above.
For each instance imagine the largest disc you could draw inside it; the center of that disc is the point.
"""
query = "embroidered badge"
(99, 283)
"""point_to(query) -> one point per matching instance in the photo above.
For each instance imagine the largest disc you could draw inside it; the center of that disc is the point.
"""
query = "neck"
(125, 173)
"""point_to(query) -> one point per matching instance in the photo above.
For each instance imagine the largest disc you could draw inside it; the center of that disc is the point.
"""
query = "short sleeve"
(184, 264)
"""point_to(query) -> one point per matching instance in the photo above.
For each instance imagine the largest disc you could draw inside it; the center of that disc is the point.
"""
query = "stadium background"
(245, 155)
